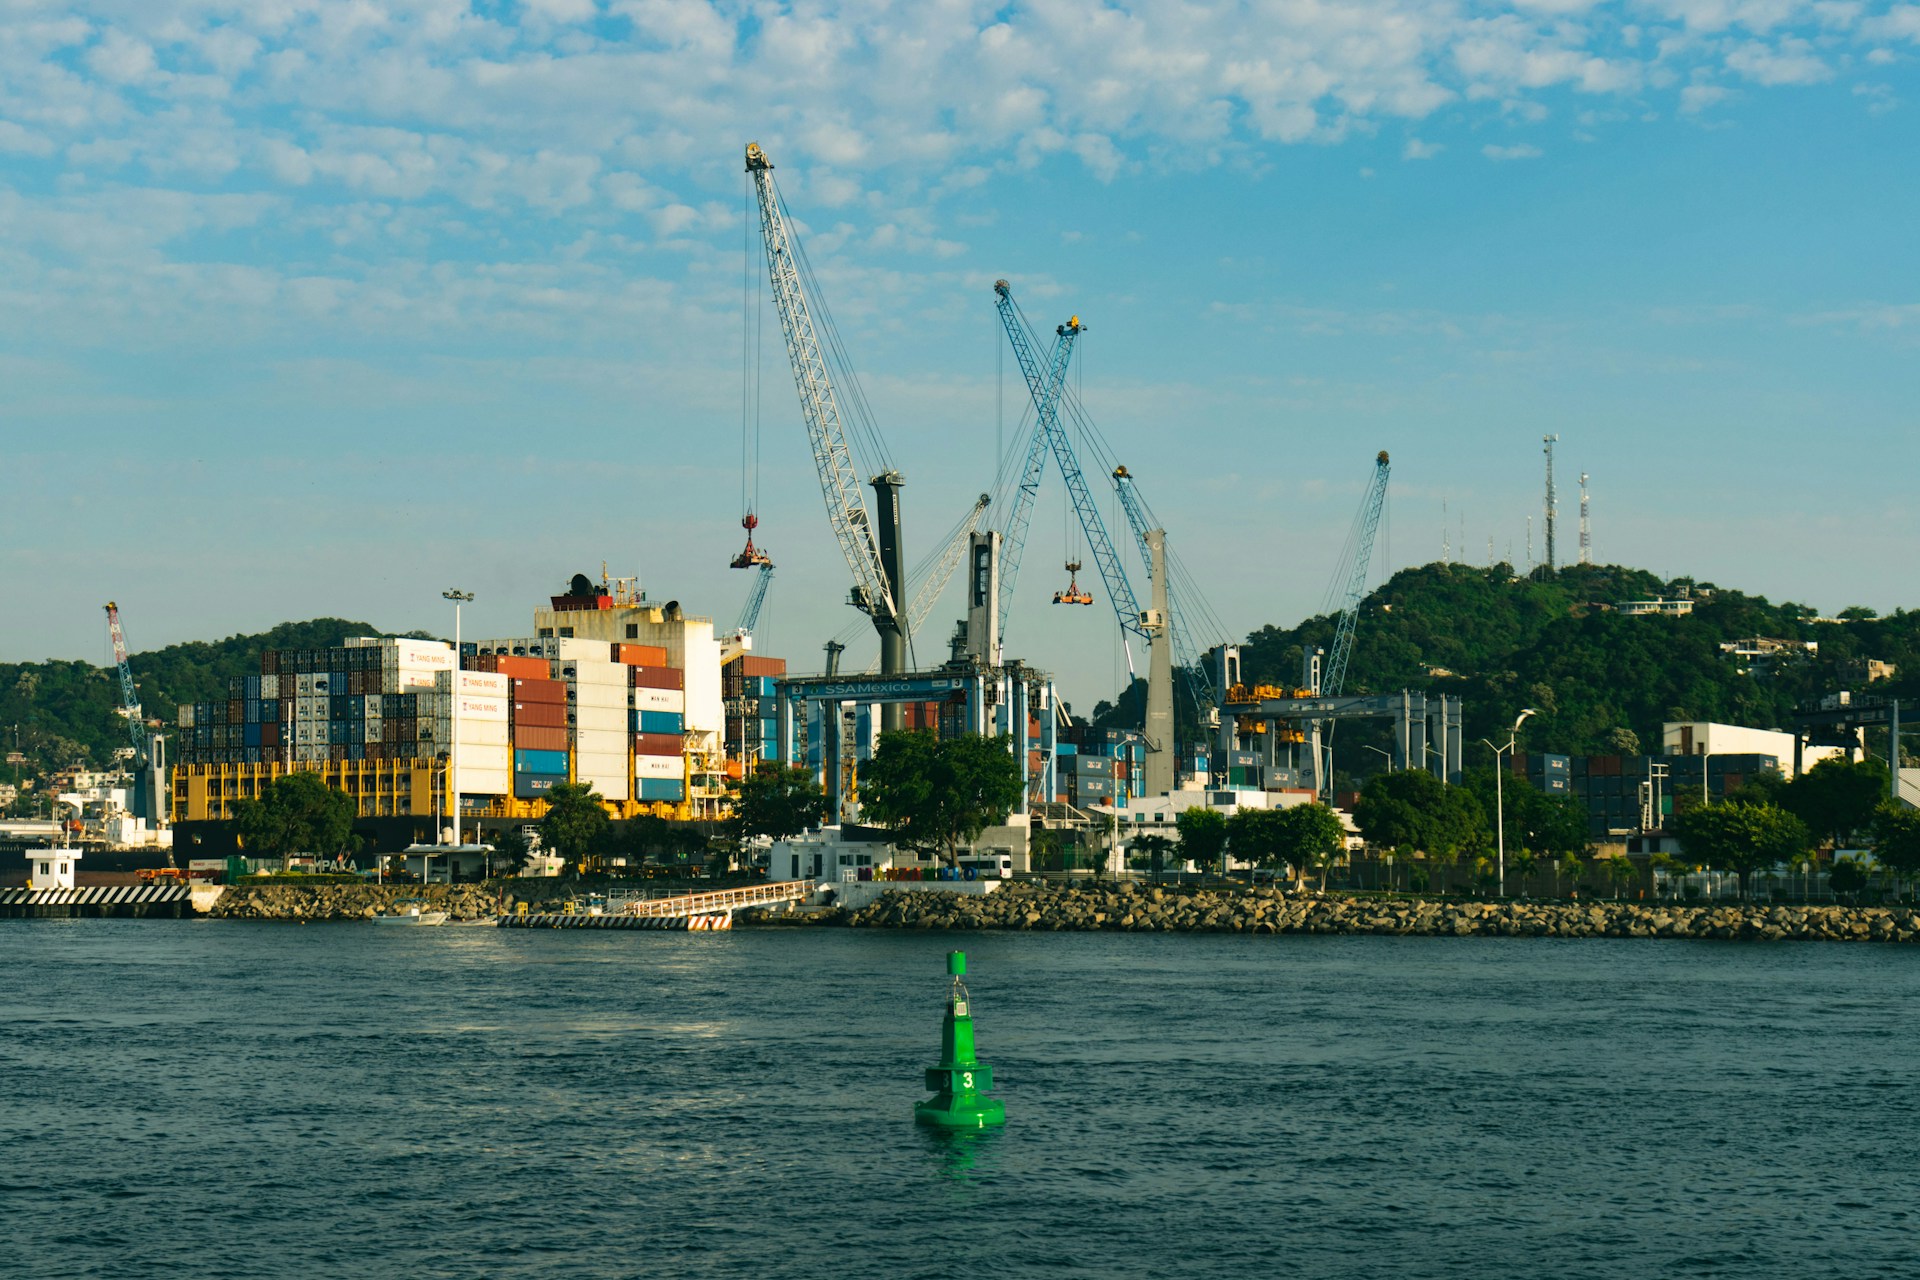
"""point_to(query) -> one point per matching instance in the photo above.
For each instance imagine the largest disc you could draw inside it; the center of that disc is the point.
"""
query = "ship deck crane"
(129, 695)
(872, 551)
(756, 597)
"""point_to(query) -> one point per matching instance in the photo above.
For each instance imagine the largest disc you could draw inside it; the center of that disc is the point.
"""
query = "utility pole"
(1553, 501)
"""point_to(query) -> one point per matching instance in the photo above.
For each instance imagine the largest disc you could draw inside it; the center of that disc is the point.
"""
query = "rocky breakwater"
(1131, 908)
(303, 903)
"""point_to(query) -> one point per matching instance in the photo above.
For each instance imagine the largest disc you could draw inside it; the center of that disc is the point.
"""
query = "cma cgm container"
(534, 786)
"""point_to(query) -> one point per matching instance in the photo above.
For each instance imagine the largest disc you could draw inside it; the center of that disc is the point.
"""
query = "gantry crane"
(874, 560)
(1048, 437)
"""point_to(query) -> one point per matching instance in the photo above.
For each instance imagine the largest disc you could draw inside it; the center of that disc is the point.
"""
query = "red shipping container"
(534, 737)
(481, 662)
(520, 668)
(640, 655)
(554, 691)
(752, 665)
(550, 715)
(656, 744)
(657, 678)
(270, 734)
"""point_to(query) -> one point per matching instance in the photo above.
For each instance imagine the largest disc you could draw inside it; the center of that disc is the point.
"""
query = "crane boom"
(942, 572)
(750, 612)
(1046, 400)
(1376, 498)
(129, 696)
(1047, 426)
(846, 509)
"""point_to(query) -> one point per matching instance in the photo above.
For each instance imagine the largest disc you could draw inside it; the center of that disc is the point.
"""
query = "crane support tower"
(874, 560)
(1586, 531)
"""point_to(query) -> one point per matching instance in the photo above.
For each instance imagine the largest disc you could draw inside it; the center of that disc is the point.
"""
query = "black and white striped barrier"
(98, 900)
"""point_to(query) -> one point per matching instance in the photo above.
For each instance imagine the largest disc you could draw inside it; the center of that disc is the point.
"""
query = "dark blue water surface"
(222, 1099)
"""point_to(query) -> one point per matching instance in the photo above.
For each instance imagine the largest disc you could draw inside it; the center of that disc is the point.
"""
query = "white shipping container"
(475, 706)
(659, 767)
(478, 682)
(600, 744)
(658, 700)
(186, 715)
(270, 686)
(596, 673)
(430, 655)
(614, 718)
(485, 782)
(484, 756)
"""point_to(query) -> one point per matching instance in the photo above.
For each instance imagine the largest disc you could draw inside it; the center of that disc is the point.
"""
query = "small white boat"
(411, 913)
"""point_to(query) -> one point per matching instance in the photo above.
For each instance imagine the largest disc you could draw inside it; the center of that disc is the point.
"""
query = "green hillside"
(1552, 641)
(66, 712)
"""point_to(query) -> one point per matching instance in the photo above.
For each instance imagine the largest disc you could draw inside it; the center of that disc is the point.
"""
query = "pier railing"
(727, 900)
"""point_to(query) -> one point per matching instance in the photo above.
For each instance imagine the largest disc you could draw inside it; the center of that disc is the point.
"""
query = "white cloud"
(1696, 98)
(1522, 151)
(1793, 62)
(1418, 150)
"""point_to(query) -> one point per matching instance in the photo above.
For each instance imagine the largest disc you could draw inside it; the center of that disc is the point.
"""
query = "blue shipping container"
(1065, 749)
(253, 735)
(543, 762)
(530, 786)
(663, 789)
(661, 722)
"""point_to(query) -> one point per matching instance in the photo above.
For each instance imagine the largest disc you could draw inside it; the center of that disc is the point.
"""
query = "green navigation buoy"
(961, 1080)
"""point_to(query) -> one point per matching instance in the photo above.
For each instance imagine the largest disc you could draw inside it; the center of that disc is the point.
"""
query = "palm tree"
(1524, 863)
(1569, 867)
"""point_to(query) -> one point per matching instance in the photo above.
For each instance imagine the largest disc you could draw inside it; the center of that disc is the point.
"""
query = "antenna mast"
(1586, 532)
(1553, 502)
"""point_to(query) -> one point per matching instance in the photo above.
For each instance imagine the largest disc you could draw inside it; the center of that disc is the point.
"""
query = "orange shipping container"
(535, 737)
(640, 655)
(752, 665)
(552, 715)
(520, 668)
(657, 677)
(554, 691)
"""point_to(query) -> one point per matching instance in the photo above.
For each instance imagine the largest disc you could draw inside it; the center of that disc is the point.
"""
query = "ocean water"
(214, 1099)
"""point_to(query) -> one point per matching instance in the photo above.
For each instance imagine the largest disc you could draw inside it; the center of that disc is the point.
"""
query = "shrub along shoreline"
(1131, 908)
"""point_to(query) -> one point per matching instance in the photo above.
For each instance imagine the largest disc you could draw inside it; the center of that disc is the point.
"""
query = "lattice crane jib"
(129, 695)
(1047, 430)
(1336, 671)
(839, 482)
(750, 612)
(942, 571)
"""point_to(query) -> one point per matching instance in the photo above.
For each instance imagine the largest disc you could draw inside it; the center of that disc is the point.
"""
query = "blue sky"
(318, 308)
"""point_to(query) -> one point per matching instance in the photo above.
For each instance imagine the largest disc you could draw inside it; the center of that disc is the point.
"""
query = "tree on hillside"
(576, 824)
(938, 795)
(1838, 797)
(1203, 837)
(297, 813)
(777, 801)
(1742, 837)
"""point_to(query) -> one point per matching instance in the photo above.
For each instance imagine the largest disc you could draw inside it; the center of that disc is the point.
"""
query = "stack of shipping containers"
(597, 708)
(657, 721)
(747, 686)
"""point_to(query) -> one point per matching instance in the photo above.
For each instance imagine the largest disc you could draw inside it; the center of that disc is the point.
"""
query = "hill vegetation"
(1554, 641)
(63, 713)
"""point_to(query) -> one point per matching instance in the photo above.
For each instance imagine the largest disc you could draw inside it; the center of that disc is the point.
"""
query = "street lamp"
(453, 758)
(1379, 751)
(1499, 792)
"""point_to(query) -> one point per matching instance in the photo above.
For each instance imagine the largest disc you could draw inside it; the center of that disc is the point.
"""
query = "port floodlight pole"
(1499, 793)
(453, 756)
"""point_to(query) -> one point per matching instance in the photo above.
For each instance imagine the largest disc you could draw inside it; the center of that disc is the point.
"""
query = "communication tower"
(1553, 502)
(1586, 532)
